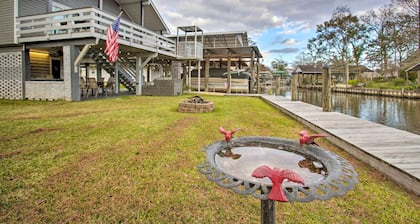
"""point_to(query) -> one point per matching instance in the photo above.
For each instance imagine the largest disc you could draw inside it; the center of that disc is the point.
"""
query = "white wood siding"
(32, 7)
(7, 21)
(79, 4)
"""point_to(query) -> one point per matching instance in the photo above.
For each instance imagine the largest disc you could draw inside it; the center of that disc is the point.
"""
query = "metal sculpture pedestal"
(326, 174)
(268, 211)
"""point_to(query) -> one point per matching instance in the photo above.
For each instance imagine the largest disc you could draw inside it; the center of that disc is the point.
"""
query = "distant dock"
(402, 93)
(394, 152)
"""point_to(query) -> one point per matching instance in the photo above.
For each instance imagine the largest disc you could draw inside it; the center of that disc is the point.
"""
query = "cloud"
(289, 41)
(286, 50)
(294, 27)
(285, 41)
(255, 16)
(284, 22)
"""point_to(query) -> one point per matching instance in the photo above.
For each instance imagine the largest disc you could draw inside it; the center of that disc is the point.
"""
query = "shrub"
(355, 82)
(399, 82)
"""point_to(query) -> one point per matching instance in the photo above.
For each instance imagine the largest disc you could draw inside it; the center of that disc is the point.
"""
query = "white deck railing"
(190, 50)
(89, 22)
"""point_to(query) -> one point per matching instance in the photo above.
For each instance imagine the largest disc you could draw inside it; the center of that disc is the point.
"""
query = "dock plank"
(394, 152)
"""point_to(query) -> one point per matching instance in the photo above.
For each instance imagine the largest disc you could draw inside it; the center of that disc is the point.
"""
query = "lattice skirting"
(11, 77)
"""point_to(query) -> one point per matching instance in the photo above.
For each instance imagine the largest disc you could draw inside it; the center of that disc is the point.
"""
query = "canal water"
(394, 112)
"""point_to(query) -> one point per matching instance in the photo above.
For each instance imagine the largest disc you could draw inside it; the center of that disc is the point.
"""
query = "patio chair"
(110, 86)
(93, 86)
(83, 87)
(101, 83)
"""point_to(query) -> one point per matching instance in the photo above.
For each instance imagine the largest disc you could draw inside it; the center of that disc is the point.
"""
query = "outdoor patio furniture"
(93, 86)
(101, 83)
(110, 86)
(83, 87)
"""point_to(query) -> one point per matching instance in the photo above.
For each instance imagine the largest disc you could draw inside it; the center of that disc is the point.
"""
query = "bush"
(399, 82)
(352, 82)
(355, 82)
(378, 79)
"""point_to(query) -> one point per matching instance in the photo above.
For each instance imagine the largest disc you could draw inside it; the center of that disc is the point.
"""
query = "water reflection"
(312, 166)
(394, 112)
(228, 153)
(253, 157)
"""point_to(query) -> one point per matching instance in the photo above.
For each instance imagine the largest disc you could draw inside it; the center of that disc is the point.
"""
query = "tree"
(316, 51)
(404, 36)
(393, 36)
(381, 25)
(342, 39)
(413, 9)
(304, 58)
(279, 64)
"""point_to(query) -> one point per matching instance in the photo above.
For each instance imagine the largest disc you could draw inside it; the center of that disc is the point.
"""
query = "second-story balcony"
(89, 23)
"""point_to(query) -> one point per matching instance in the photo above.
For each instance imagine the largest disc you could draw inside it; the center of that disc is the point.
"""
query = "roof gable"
(138, 10)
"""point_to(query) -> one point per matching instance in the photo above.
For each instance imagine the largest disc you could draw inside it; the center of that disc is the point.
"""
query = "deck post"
(189, 76)
(139, 75)
(206, 74)
(326, 89)
(184, 74)
(198, 75)
(71, 73)
(117, 78)
(252, 67)
(258, 75)
(229, 77)
(294, 85)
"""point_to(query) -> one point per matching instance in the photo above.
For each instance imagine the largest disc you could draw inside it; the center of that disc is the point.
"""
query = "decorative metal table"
(235, 164)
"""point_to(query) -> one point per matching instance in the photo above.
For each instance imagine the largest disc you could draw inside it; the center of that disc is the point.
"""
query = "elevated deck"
(89, 23)
(394, 152)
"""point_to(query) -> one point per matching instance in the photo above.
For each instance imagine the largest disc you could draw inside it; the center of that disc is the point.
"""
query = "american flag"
(111, 41)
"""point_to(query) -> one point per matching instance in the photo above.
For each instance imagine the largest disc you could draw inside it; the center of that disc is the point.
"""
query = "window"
(56, 7)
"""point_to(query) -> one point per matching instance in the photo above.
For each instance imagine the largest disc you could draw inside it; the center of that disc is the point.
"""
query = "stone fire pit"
(195, 104)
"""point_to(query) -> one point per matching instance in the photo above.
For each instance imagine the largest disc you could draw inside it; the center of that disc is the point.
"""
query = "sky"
(280, 28)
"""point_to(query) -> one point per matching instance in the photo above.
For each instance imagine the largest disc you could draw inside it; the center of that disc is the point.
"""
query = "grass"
(134, 160)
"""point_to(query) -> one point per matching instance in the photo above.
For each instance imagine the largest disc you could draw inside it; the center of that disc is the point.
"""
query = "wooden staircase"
(126, 70)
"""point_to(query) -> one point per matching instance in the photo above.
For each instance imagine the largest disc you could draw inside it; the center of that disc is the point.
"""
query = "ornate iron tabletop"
(231, 165)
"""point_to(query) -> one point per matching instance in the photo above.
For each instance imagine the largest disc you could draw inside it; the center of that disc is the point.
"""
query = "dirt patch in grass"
(36, 131)
(74, 171)
(9, 154)
(39, 130)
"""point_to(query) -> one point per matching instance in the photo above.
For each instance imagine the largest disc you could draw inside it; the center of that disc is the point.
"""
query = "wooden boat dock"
(394, 152)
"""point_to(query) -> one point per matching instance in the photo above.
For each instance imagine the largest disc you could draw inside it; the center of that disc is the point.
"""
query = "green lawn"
(134, 160)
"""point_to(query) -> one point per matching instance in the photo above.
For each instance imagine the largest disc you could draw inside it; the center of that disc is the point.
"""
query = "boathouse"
(308, 74)
(311, 75)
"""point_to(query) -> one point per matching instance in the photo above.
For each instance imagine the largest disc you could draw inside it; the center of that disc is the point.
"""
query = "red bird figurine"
(228, 134)
(307, 139)
(277, 177)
